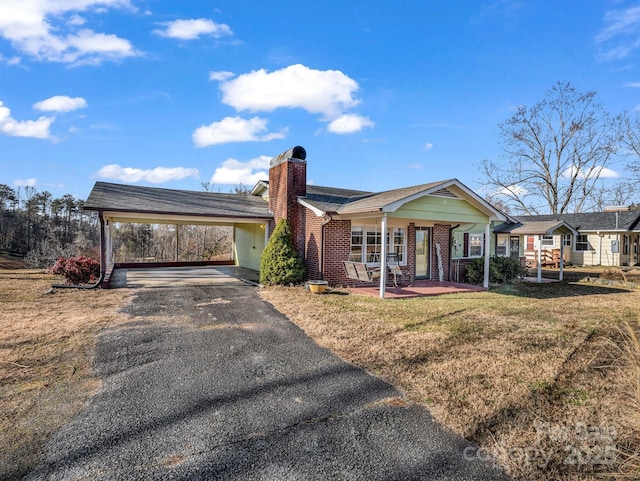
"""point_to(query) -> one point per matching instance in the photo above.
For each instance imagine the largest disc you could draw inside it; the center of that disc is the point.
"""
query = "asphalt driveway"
(211, 382)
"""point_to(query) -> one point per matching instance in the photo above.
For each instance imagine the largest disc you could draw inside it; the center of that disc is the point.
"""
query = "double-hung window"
(475, 245)
(582, 243)
(366, 244)
(502, 242)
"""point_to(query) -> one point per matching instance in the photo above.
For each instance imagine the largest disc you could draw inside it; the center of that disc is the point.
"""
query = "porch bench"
(360, 272)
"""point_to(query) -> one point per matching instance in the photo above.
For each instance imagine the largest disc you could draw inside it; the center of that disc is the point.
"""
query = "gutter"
(327, 218)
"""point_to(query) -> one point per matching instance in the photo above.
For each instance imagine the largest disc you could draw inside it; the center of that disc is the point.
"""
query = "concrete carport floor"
(212, 383)
(180, 276)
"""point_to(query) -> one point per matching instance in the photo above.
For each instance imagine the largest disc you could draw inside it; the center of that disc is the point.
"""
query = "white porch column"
(561, 274)
(383, 256)
(539, 258)
(487, 254)
(108, 245)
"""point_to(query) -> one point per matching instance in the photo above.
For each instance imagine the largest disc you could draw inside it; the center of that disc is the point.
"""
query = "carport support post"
(487, 254)
(561, 261)
(383, 255)
(177, 244)
(539, 258)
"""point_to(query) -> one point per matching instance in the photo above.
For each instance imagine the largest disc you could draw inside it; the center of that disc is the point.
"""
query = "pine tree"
(280, 263)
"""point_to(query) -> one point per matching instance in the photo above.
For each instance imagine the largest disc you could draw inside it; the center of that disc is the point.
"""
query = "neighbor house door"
(423, 252)
(514, 247)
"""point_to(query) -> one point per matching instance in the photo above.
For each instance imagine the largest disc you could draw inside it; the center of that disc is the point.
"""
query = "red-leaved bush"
(77, 270)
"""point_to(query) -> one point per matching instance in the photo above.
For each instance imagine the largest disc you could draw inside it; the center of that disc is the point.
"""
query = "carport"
(248, 215)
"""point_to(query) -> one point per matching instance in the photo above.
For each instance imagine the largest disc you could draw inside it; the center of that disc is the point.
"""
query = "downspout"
(326, 219)
(451, 248)
(103, 267)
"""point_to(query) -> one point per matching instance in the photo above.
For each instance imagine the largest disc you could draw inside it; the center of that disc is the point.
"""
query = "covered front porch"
(419, 288)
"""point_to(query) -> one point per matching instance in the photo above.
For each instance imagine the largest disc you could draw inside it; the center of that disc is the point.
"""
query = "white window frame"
(566, 240)
(586, 241)
(391, 245)
(473, 239)
(504, 245)
(548, 241)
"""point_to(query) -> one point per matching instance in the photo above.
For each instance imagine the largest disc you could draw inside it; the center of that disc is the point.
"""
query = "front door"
(423, 252)
(514, 247)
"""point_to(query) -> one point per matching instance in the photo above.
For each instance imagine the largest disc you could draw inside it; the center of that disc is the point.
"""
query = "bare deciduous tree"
(555, 153)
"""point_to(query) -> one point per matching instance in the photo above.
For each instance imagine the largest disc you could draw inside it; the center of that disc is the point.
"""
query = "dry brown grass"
(525, 371)
(46, 343)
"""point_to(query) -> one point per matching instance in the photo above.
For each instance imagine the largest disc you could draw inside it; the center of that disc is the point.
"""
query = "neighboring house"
(610, 238)
(329, 225)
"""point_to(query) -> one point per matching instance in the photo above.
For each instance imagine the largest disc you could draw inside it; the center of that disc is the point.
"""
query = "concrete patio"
(418, 289)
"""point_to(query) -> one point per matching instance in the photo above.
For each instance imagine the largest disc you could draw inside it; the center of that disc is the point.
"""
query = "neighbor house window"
(566, 240)
(582, 243)
(625, 245)
(502, 244)
(366, 244)
(475, 245)
(530, 243)
(547, 241)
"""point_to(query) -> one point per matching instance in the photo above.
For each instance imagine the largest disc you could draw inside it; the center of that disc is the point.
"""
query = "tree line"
(38, 225)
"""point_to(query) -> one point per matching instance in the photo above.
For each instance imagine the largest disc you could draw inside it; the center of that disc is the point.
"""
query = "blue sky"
(381, 94)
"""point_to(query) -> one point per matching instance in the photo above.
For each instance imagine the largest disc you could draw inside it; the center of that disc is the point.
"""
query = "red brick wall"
(337, 247)
(313, 244)
(460, 266)
(440, 235)
(411, 252)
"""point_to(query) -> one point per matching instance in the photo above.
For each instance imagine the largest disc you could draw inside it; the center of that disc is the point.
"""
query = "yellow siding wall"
(442, 210)
(248, 245)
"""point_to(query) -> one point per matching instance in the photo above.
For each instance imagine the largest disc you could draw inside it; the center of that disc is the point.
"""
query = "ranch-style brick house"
(330, 225)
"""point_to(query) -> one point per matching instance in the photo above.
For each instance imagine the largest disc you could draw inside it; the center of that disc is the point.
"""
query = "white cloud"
(37, 129)
(25, 182)
(50, 30)
(192, 29)
(158, 175)
(236, 172)
(511, 191)
(234, 129)
(600, 172)
(60, 103)
(634, 85)
(428, 146)
(620, 35)
(222, 75)
(328, 92)
(348, 124)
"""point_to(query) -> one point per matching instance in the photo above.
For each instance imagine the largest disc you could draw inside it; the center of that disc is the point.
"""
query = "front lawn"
(533, 373)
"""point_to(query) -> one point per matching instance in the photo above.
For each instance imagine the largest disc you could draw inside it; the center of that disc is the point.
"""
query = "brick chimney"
(287, 182)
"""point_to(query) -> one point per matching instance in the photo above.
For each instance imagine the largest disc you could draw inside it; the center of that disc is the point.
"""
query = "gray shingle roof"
(540, 227)
(345, 201)
(329, 199)
(106, 196)
(592, 221)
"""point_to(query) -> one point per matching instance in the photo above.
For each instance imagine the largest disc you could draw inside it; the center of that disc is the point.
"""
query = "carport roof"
(132, 199)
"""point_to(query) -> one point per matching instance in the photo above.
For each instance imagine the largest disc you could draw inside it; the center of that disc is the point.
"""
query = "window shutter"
(465, 252)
